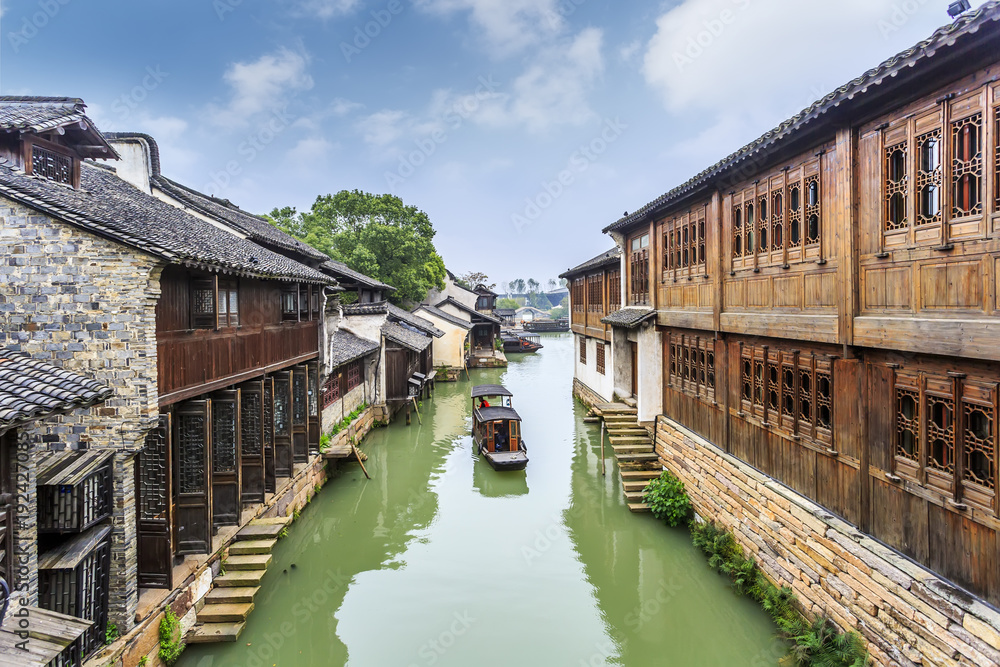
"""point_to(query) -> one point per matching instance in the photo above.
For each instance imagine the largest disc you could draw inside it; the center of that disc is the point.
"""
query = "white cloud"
(326, 9)
(342, 107)
(628, 51)
(507, 25)
(384, 127)
(262, 86)
(310, 151)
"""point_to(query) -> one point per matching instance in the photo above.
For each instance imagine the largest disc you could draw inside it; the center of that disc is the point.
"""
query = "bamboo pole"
(357, 455)
(603, 471)
(417, 410)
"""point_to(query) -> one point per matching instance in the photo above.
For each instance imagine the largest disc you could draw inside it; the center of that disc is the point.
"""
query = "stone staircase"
(637, 460)
(225, 608)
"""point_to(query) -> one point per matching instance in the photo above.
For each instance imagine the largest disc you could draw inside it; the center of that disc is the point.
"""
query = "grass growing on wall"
(817, 643)
(324, 442)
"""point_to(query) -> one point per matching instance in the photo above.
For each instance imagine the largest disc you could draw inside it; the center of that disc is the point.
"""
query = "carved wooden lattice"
(940, 431)
(773, 388)
(749, 228)
(979, 439)
(331, 390)
(967, 166)
(269, 413)
(758, 382)
(595, 298)
(702, 254)
(929, 178)
(354, 375)
(824, 400)
(805, 396)
(314, 390)
(191, 430)
(996, 159)
(51, 165)
(250, 422)
(813, 209)
(738, 231)
(153, 471)
(908, 423)
(897, 183)
(299, 393)
(763, 223)
(777, 217)
(747, 375)
(788, 391)
(282, 420)
(640, 271)
(794, 215)
(614, 290)
(600, 357)
(223, 436)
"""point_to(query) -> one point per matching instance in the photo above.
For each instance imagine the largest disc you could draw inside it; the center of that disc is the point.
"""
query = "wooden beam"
(191, 392)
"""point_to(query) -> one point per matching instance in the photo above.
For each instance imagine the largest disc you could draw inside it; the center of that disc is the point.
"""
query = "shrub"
(171, 645)
(111, 634)
(667, 499)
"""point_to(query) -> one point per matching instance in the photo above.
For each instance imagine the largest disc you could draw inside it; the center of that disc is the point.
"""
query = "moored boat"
(496, 428)
(520, 342)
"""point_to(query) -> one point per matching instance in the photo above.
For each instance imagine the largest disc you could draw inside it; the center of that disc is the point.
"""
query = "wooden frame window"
(316, 301)
(289, 303)
(331, 390)
(601, 350)
(579, 295)
(203, 312)
(788, 390)
(691, 364)
(229, 303)
(639, 270)
(583, 350)
(52, 161)
(304, 311)
(354, 375)
(595, 294)
(684, 246)
(946, 435)
(614, 290)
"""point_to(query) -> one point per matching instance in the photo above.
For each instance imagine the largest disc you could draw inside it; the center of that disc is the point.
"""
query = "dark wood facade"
(594, 294)
(832, 319)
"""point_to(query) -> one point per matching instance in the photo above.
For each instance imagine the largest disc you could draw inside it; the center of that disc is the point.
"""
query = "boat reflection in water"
(489, 484)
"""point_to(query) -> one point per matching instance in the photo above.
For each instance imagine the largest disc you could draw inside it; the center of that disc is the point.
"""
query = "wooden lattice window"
(331, 390)
(996, 159)
(282, 420)
(304, 291)
(737, 231)
(639, 274)
(191, 441)
(289, 303)
(979, 435)
(614, 290)
(790, 391)
(203, 304)
(691, 364)
(229, 303)
(583, 350)
(929, 178)
(939, 408)
(967, 166)
(251, 427)
(750, 227)
(794, 215)
(601, 347)
(153, 468)
(579, 295)
(908, 422)
(897, 183)
(224, 437)
(51, 165)
(595, 296)
(353, 375)
(684, 242)
(777, 220)
(315, 300)
(763, 224)
(300, 396)
(813, 209)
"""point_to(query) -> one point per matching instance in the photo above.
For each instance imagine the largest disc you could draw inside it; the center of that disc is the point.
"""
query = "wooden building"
(68, 621)
(205, 320)
(823, 305)
(595, 288)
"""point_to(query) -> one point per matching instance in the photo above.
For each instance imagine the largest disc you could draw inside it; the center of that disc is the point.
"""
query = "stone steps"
(639, 475)
(248, 562)
(637, 458)
(248, 547)
(631, 487)
(231, 594)
(631, 440)
(633, 449)
(617, 409)
(240, 579)
(208, 633)
(633, 496)
(638, 508)
(234, 612)
(625, 432)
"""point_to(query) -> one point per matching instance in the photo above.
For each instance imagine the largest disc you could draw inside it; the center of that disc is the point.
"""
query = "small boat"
(520, 342)
(551, 326)
(496, 428)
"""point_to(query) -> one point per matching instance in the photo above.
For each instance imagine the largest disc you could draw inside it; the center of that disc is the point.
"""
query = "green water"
(439, 560)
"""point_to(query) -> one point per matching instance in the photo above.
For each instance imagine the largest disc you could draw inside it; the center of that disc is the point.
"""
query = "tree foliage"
(377, 235)
(472, 278)
(510, 304)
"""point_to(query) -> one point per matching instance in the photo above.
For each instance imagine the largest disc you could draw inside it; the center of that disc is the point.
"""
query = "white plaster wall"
(370, 327)
(134, 165)
(449, 350)
(650, 373)
(457, 312)
(622, 364)
(452, 290)
(601, 384)
(335, 412)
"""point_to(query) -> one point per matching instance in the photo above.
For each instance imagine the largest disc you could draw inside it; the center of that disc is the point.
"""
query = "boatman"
(483, 403)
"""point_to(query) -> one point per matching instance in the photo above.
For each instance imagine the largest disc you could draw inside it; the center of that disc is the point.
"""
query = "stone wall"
(589, 397)
(88, 305)
(907, 614)
(336, 411)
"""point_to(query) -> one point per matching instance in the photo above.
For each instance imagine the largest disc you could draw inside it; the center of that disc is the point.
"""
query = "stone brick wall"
(907, 614)
(586, 394)
(335, 412)
(88, 305)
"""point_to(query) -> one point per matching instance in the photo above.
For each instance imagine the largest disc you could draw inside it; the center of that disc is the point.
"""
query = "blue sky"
(522, 127)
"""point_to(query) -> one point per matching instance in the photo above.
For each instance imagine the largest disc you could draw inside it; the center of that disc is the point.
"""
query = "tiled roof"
(414, 321)
(855, 90)
(607, 258)
(406, 337)
(447, 317)
(44, 114)
(504, 312)
(629, 318)
(378, 308)
(255, 227)
(461, 306)
(345, 347)
(108, 206)
(31, 389)
(340, 269)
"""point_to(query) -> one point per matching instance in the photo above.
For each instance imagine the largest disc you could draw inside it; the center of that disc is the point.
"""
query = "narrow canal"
(439, 560)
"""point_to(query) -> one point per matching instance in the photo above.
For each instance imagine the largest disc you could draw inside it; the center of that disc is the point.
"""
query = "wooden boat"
(551, 326)
(520, 342)
(496, 428)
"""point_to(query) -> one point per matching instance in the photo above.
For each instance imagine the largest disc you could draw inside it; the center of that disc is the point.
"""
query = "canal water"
(439, 560)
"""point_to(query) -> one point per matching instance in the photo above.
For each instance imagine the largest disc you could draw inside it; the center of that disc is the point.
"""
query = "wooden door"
(270, 483)
(153, 487)
(634, 348)
(226, 503)
(300, 415)
(283, 424)
(192, 477)
(8, 447)
(395, 374)
(314, 414)
(252, 441)
(515, 435)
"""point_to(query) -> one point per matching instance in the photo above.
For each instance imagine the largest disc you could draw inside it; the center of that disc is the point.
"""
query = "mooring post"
(417, 410)
(602, 448)
(407, 414)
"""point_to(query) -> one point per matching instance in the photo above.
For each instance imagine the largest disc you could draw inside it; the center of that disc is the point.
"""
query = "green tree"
(473, 278)
(518, 286)
(377, 235)
(508, 303)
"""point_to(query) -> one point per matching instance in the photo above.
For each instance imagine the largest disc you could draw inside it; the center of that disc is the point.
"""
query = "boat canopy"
(492, 414)
(489, 390)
